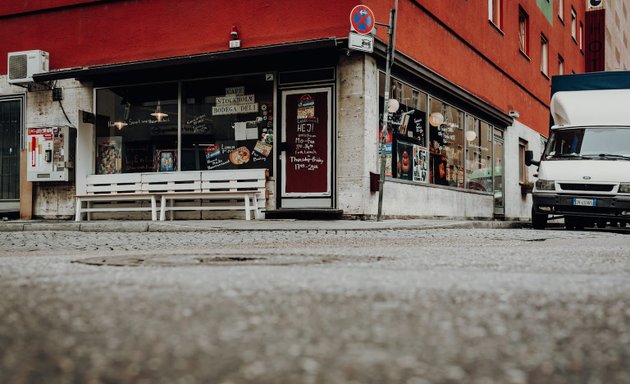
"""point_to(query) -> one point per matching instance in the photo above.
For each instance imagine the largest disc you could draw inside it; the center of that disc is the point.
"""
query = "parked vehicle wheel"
(539, 220)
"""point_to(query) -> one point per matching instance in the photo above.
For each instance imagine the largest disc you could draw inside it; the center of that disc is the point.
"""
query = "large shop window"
(136, 129)
(406, 142)
(447, 144)
(430, 141)
(225, 123)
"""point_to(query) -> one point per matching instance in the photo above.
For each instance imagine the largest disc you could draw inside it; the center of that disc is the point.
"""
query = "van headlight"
(624, 188)
(545, 185)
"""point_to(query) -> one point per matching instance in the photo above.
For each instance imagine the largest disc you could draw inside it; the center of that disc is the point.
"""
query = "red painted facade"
(455, 39)
(452, 37)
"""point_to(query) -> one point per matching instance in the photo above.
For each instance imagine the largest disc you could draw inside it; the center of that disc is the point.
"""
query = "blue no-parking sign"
(362, 19)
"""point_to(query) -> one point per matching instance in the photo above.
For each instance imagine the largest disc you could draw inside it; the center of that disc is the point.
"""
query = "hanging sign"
(362, 20)
(363, 43)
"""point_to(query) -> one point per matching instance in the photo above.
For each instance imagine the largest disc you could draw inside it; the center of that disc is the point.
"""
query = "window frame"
(544, 55)
(523, 31)
(560, 65)
(495, 13)
(523, 177)
(561, 10)
(574, 25)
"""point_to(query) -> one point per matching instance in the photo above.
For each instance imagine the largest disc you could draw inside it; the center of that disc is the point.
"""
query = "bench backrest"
(185, 181)
(234, 180)
(113, 184)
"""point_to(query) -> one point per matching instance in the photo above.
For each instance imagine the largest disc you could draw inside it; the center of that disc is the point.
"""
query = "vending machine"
(51, 152)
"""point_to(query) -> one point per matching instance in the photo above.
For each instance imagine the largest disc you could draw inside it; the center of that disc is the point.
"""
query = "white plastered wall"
(517, 204)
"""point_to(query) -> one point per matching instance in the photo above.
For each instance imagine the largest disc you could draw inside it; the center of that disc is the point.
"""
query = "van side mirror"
(529, 159)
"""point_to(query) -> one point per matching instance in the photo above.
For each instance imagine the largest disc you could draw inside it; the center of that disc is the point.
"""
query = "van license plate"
(584, 202)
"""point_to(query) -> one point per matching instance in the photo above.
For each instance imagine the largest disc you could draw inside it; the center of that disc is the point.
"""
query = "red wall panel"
(120, 31)
(12, 7)
(455, 39)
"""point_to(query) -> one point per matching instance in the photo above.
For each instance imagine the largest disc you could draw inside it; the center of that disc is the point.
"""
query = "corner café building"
(307, 110)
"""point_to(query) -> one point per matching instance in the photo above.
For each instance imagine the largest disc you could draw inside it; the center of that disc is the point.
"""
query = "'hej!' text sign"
(307, 139)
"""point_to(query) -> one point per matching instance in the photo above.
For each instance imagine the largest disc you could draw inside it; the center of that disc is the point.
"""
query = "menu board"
(307, 124)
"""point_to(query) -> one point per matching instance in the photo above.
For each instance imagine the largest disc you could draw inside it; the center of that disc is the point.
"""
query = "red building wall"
(452, 37)
(455, 39)
(109, 31)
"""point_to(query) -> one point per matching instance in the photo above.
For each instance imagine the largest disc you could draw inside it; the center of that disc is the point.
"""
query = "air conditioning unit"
(594, 4)
(22, 65)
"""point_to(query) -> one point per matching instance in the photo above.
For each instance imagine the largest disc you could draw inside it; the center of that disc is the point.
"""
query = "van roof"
(593, 107)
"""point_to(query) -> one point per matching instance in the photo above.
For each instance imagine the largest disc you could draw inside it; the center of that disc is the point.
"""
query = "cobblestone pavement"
(475, 306)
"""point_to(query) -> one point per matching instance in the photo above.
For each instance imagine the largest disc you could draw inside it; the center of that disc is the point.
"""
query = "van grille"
(587, 187)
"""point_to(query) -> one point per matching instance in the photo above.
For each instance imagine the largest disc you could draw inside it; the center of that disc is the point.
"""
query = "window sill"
(496, 27)
(545, 75)
(524, 54)
(561, 20)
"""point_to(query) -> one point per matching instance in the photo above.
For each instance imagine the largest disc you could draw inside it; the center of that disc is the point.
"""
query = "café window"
(447, 144)
(478, 155)
(136, 129)
(406, 143)
(225, 123)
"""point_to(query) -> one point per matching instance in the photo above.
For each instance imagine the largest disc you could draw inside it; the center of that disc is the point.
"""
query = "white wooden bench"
(108, 190)
(221, 190)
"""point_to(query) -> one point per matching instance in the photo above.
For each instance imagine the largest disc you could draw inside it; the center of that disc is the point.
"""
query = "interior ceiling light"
(158, 114)
(120, 124)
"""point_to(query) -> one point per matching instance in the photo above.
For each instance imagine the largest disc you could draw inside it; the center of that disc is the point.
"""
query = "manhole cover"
(218, 260)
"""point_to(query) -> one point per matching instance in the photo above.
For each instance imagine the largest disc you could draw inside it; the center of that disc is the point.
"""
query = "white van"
(584, 171)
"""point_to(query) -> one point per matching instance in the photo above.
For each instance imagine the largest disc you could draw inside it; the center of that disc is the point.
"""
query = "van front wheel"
(539, 220)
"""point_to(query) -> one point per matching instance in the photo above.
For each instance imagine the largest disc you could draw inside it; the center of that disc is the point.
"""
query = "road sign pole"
(391, 31)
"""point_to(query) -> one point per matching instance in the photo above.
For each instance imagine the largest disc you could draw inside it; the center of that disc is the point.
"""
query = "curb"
(275, 226)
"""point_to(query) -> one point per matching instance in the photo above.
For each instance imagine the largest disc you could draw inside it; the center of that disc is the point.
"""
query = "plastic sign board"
(364, 43)
(362, 20)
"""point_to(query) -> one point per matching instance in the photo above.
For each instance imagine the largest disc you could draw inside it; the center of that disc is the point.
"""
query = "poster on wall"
(109, 155)
(420, 164)
(404, 154)
(307, 136)
(165, 160)
(388, 150)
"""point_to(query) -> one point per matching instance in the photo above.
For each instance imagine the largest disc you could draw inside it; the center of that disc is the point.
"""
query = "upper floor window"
(581, 36)
(523, 31)
(561, 10)
(573, 24)
(495, 12)
(560, 65)
(544, 55)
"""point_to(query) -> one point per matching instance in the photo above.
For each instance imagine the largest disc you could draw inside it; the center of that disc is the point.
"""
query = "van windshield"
(589, 143)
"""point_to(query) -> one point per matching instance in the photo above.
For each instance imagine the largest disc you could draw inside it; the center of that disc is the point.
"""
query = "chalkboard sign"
(307, 130)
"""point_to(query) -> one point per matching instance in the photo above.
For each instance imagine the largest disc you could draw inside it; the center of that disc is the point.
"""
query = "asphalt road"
(477, 306)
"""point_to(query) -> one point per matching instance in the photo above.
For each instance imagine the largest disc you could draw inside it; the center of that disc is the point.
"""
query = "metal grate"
(17, 67)
(587, 187)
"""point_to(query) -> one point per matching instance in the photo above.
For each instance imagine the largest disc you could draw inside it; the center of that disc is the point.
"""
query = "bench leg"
(256, 208)
(163, 208)
(248, 214)
(77, 215)
(153, 209)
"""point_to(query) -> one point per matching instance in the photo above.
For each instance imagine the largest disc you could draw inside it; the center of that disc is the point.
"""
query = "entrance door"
(10, 130)
(306, 164)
